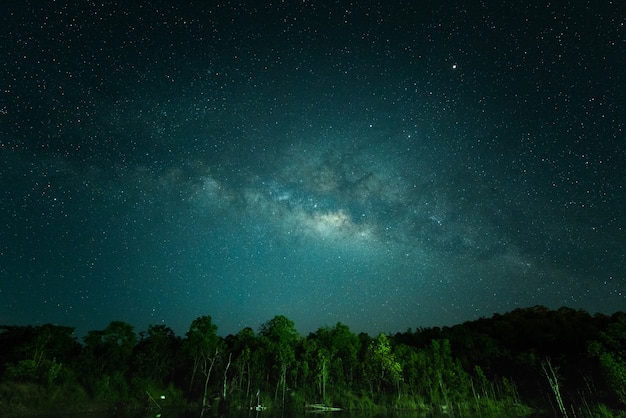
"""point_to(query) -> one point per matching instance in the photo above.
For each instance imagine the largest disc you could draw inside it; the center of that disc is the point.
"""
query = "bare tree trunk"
(248, 384)
(284, 370)
(206, 383)
(324, 378)
(551, 374)
(225, 375)
(281, 380)
(196, 361)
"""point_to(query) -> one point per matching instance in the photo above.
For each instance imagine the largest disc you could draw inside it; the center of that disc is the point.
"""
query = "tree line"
(566, 362)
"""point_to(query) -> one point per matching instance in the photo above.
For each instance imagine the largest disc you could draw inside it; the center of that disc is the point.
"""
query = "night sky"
(382, 164)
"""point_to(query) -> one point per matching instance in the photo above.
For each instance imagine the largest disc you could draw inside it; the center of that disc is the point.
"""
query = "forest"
(535, 360)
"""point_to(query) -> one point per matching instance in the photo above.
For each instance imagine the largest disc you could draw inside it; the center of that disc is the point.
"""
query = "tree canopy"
(527, 358)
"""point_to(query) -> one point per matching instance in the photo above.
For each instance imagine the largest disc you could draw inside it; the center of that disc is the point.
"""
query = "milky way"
(384, 167)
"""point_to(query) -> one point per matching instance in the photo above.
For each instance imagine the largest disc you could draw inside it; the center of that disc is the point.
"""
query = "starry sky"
(384, 164)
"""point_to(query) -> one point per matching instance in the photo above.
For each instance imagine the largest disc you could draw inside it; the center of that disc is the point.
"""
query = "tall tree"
(317, 353)
(156, 354)
(443, 375)
(386, 367)
(346, 346)
(610, 350)
(107, 357)
(244, 345)
(552, 374)
(280, 337)
(203, 345)
(408, 357)
(38, 353)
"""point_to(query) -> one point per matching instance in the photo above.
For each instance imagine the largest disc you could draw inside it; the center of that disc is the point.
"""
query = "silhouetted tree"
(106, 360)
(203, 344)
(280, 337)
(384, 366)
(610, 350)
(157, 355)
(38, 354)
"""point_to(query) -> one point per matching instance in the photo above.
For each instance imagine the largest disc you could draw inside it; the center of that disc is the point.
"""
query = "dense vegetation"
(565, 362)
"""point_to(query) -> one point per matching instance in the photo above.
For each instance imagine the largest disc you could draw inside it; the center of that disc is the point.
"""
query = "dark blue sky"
(382, 164)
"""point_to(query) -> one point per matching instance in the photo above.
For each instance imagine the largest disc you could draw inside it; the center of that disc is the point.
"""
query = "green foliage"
(488, 367)
(54, 371)
(24, 370)
(154, 395)
(203, 344)
(615, 369)
(384, 369)
(279, 338)
(45, 372)
(410, 403)
(37, 354)
(610, 350)
(603, 411)
(245, 370)
(443, 378)
(109, 350)
(111, 388)
(202, 336)
(156, 356)
(106, 361)
(21, 398)
(17, 399)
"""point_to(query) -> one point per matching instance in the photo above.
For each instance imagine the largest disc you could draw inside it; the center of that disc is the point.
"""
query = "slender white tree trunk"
(225, 375)
(206, 383)
(551, 374)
